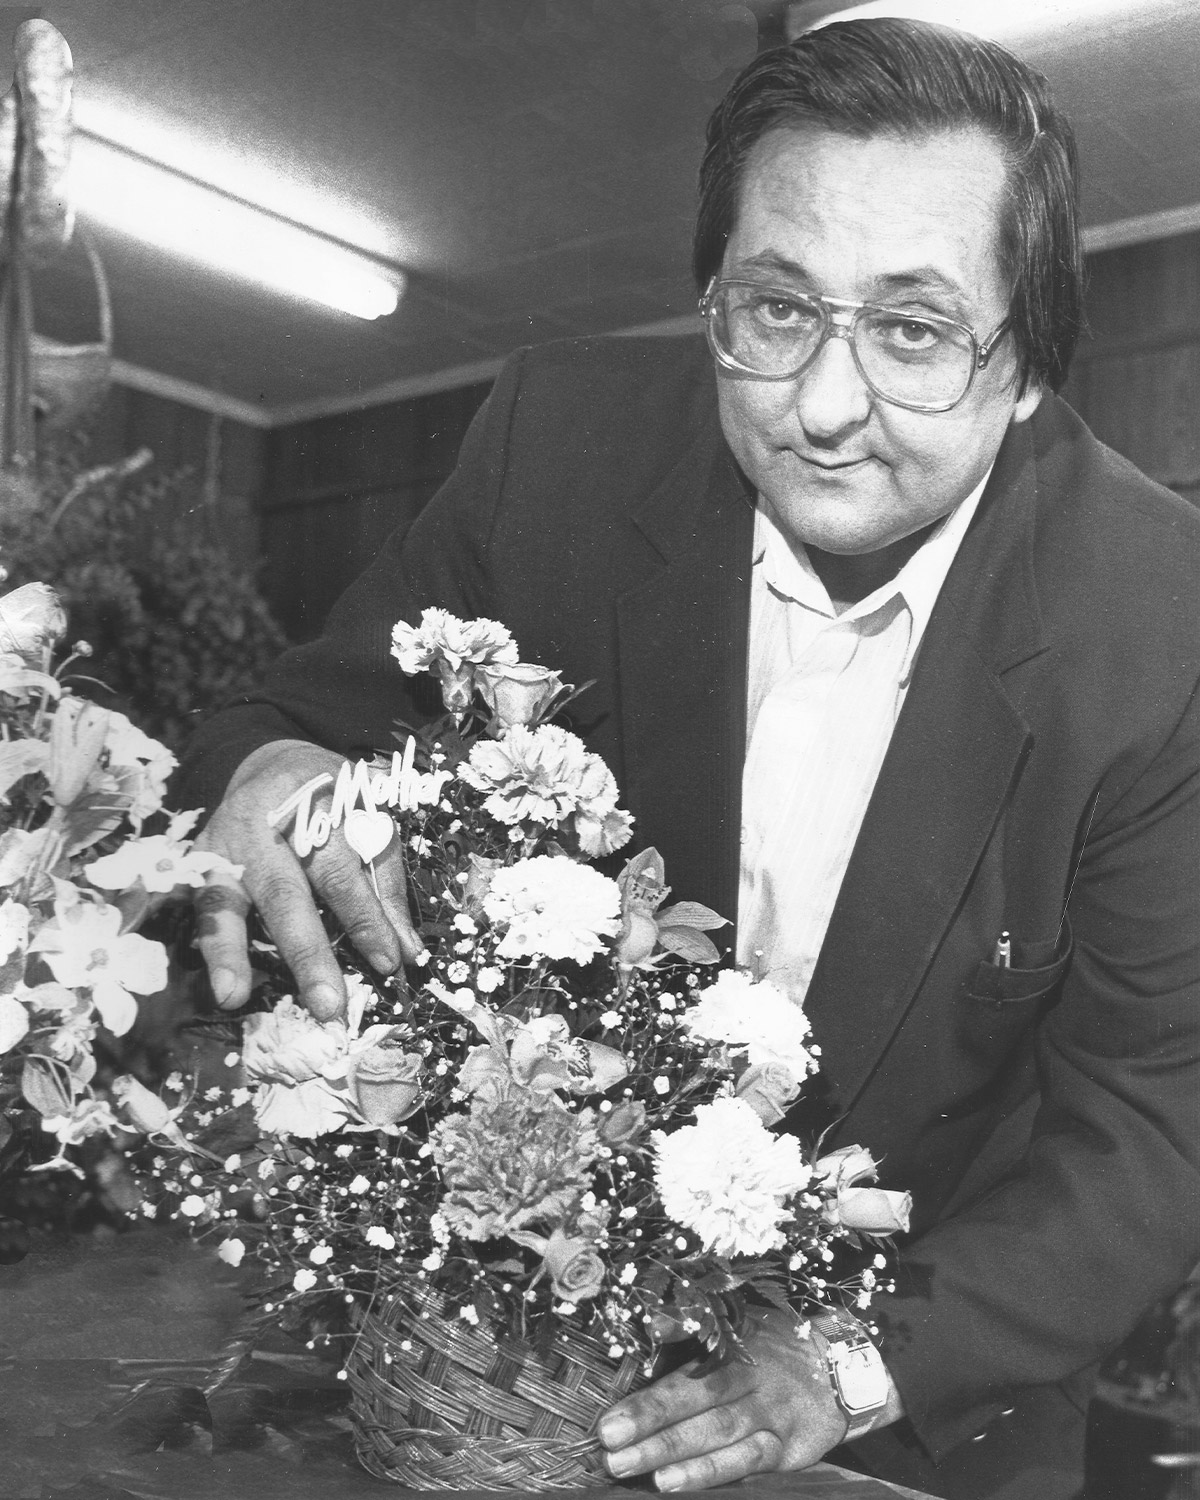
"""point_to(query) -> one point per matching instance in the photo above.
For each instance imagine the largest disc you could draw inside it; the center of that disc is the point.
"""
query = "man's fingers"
(286, 906)
(393, 895)
(670, 1401)
(758, 1453)
(222, 906)
(344, 883)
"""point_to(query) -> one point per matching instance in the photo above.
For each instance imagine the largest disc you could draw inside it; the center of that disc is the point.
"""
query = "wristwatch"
(856, 1370)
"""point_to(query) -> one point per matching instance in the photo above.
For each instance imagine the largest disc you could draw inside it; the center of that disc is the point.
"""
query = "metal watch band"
(856, 1371)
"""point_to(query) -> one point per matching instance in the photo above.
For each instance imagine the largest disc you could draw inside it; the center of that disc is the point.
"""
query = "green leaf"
(691, 914)
(691, 946)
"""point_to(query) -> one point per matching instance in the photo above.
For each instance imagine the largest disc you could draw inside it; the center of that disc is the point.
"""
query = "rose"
(31, 620)
(576, 1271)
(846, 1165)
(288, 1046)
(874, 1210)
(517, 693)
(867, 1209)
(768, 1088)
(386, 1084)
(622, 1125)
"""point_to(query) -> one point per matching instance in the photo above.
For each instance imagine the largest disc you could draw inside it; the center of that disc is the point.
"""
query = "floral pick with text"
(566, 1112)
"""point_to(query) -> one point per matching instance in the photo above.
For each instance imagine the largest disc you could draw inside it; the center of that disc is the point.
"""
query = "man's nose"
(831, 395)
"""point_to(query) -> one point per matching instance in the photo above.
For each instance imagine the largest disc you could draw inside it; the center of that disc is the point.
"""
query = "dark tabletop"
(122, 1378)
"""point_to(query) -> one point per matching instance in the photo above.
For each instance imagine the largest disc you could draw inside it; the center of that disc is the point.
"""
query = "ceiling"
(529, 163)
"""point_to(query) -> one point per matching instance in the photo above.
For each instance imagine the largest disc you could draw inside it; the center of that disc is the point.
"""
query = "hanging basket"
(441, 1404)
(68, 379)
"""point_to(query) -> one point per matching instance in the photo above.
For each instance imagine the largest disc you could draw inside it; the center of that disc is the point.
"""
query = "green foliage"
(175, 625)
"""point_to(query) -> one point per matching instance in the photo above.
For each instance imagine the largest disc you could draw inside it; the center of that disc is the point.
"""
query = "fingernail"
(323, 1001)
(622, 1463)
(670, 1479)
(381, 962)
(615, 1431)
(223, 982)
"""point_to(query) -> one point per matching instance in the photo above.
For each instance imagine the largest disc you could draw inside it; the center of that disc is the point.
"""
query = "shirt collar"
(790, 574)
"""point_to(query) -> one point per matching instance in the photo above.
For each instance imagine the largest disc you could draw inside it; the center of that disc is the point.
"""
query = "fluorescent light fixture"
(997, 19)
(183, 217)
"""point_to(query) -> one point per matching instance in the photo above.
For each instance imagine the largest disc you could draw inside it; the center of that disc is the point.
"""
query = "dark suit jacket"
(1042, 779)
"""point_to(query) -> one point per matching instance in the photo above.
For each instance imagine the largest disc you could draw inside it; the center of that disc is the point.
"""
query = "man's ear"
(1028, 401)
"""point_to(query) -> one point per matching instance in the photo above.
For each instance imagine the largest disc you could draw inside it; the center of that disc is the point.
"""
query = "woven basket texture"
(471, 1408)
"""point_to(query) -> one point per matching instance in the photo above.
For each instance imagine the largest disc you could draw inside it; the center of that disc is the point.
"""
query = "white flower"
(756, 1018)
(14, 929)
(728, 1179)
(359, 1184)
(547, 775)
(84, 946)
(377, 1235)
(553, 908)
(147, 765)
(304, 1280)
(320, 1254)
(192, 1206)
(14, 1022)
(159, 862)
(489, 980)
(288, 1045)
(454, 650)
(443, 636)
(302, 1109)
(231, 1251)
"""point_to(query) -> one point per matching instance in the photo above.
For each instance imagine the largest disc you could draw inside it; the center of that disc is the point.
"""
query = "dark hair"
(897, 77)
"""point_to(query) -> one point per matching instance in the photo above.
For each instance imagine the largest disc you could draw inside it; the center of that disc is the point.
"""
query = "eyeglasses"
(917, 360)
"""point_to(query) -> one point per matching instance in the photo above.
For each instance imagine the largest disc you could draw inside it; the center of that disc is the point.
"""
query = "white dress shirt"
(824, 693)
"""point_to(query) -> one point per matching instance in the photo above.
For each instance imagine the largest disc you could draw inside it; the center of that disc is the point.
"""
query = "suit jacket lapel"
(682, 663)
(956, 753)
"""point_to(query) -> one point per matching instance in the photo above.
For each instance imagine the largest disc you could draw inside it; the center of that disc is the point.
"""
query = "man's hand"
(778, 1413)
(278, 884)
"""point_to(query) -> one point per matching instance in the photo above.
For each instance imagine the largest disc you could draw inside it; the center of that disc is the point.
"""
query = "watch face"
(860, 1377)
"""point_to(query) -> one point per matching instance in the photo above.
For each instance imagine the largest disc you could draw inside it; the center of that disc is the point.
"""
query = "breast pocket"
(1036, 973)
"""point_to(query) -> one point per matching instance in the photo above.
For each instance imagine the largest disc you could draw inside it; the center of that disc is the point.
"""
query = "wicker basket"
(469, 1408)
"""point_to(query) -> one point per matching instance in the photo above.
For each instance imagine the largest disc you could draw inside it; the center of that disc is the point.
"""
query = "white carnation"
(756, 1018)
(728, 1179)
(553, 908)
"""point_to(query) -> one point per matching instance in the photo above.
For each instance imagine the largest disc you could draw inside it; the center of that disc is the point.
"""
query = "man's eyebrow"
(917, 279)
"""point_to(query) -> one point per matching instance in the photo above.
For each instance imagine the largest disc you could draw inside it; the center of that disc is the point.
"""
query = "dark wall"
(1136, 378)
(338, 486)
(226, 459)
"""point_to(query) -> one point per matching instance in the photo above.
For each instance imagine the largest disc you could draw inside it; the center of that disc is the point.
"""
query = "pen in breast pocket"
(1002, 956)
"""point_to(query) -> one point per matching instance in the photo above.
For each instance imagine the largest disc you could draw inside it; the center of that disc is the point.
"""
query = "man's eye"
(779, 310)
(908, 335)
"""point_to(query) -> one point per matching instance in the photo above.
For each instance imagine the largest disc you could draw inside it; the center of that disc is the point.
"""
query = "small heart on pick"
(368, 833)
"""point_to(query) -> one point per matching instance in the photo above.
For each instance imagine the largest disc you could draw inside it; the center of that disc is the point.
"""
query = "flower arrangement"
(564, 1121)
(79, 875)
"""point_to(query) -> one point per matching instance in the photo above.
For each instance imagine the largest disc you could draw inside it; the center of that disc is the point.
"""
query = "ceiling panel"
(530, 163)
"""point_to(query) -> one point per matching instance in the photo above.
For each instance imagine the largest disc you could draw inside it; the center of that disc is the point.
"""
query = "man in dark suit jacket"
(1041, 779)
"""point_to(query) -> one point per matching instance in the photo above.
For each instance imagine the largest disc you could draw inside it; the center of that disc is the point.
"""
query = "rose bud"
(874, 1210)
(622, 1125)
(576, 1271)
(517, 693)
(479, 880)
(387, 1084)
(846, 1165)
(768, 1088)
